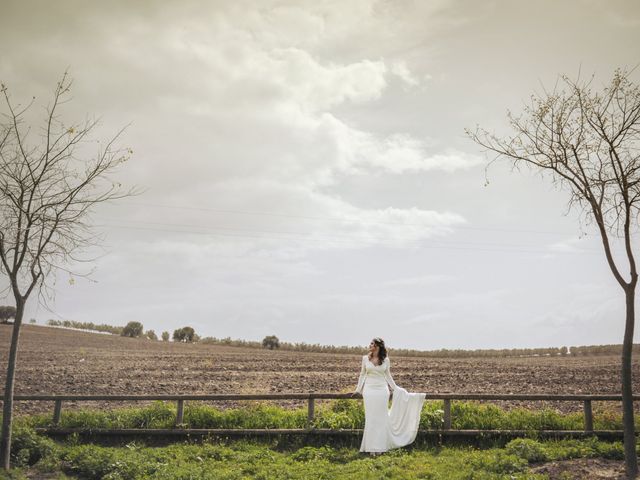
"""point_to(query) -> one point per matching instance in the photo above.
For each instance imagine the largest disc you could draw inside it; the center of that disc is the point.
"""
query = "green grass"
(336, 414)
(298, 458)
(271, 460)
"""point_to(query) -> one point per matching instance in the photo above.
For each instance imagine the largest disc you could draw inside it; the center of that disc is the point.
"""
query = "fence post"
(588, 416)
(57, 412)
(447, 414)
(310, 412)
(180, 413)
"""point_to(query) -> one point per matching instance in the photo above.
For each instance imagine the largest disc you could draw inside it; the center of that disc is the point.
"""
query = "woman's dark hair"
(382, 352)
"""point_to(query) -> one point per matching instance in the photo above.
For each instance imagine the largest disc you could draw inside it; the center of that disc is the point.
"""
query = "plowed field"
(59, 361)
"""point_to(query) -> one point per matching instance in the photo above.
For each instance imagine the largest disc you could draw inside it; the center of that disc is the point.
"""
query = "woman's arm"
(387, 374)
(363, 373)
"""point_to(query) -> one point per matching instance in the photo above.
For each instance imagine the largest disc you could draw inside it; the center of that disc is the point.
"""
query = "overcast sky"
(306, 173)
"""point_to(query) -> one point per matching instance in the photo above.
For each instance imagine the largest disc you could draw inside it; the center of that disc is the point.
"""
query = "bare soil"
(582, 469)
(60, 361)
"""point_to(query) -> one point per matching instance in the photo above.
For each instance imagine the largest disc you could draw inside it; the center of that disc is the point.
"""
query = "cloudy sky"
(305, 171)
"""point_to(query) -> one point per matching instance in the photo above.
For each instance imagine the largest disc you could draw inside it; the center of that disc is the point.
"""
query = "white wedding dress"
(386, 428)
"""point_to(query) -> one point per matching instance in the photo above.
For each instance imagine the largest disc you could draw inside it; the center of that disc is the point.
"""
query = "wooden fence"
(446, 430)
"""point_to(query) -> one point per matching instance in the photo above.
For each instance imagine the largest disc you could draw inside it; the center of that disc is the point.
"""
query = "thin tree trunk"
(630, 458)
(7, 410)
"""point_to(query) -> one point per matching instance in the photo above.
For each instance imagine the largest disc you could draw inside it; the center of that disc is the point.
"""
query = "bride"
(385, 428)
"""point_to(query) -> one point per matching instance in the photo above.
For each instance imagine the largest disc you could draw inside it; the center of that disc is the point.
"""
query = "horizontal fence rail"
(447, 398)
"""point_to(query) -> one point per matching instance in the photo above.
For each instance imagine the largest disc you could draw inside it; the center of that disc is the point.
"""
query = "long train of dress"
(384, 428)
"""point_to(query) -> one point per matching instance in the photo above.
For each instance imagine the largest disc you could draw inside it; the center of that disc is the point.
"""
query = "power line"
(312, 235)
(338, 219)
(311, 239)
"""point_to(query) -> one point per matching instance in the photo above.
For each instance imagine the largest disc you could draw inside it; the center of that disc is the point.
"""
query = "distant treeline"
(442, 353)
(590, 350)
(86, 326)
(298, 347)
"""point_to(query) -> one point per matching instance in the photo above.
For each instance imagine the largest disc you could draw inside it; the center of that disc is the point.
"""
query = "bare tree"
(587, 141)
(48, 186)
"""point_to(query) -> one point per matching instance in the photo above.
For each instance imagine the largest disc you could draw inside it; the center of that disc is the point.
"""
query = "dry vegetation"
(60, 361)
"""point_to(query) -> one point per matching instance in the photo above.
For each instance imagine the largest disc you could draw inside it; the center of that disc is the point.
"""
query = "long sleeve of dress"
(363, 374)
(387, 375)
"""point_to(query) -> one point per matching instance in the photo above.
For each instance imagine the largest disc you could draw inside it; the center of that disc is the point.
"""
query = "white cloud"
(401, 70)
(309, 220)
(569, 245)
(317, 87)
(590, 245)
(247, 111)
(401, 153)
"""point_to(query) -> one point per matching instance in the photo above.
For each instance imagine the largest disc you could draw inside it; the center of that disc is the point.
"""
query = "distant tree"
(151, 335)
(586, 141)
(132, 329)
(184, 334)
(32, 321)
(270, 342)
(165, 336)
(564, 351)
(7, 312)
